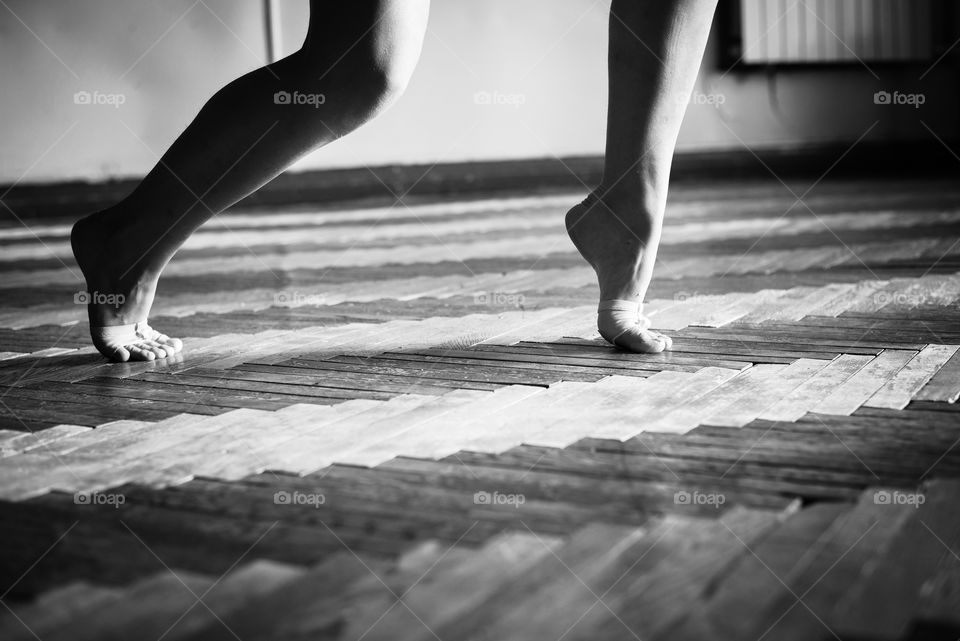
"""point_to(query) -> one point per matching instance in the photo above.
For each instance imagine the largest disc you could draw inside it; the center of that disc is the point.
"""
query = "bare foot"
(614, 245)
(117, 303)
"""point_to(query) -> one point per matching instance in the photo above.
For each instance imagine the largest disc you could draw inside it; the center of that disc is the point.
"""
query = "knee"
(365, 47)
(378, 83)
(365, 79)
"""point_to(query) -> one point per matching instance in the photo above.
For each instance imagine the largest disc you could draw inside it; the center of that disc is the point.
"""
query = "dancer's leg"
(357, 57)
(655, 52)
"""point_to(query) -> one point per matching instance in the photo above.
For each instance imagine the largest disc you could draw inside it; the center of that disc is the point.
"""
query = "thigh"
(382, 32)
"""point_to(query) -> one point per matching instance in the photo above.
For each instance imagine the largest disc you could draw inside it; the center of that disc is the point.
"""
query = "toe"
(640, 341)
(174, 344)
(141, 353)
(119, 355)
(666, 339)
(161, 341)
(157, 349)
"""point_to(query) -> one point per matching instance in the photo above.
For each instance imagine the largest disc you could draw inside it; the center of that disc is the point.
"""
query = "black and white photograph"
(470, 320)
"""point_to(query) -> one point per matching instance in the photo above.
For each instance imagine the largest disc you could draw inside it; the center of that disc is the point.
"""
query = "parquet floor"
(400, 423)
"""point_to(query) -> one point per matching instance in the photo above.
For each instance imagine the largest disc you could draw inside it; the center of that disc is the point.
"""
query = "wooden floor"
(401, 424)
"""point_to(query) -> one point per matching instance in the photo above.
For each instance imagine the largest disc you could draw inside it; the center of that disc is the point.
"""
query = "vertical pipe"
(271, 25)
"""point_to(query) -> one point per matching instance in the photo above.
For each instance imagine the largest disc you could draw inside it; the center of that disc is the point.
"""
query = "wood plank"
(234, 446)
(8, 435)
(938, 601)
(356, 380)
(882, 603)
(313, 589)
(474, 359)
(685, 563)
(857, 390)
(312, 451)
(241, 588)
(754, 580)
(150, 607)
(441, 435)
(445, 594)
(549, 411)
(210, 397)
(849, 299)
(54, 609)
(615, 408)
(609, 352)
(749, 341)
(512, 426)
(713, 473)
(592, 554)
(25, 442)
(807, 395)
(30, 474)
(824, 575)
(243, 385)
(898, 392)
(944, 386)
(559, 488)
(489, 377)
(688, 416)
(770, 391)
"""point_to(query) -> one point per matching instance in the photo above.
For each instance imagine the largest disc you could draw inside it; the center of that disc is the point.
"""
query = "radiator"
(831, 31)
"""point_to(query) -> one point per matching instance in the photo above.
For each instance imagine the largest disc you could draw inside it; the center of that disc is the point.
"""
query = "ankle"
(105, 243)
(636, 195)
(631, 209)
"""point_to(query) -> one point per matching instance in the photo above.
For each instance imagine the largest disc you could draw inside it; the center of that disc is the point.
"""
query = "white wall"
(167, 57)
